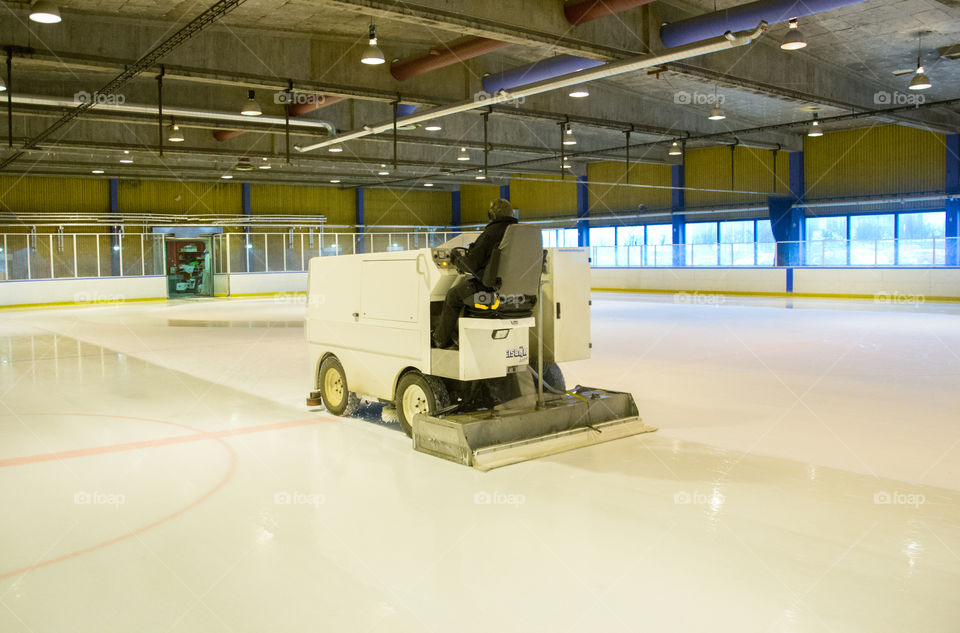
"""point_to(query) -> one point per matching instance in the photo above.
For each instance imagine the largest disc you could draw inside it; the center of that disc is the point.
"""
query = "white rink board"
(92, 290)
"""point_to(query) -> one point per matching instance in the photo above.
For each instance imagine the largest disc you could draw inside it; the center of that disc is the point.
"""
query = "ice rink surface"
(160, 472)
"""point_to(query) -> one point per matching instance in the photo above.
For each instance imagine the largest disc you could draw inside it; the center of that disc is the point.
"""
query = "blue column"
(583, 211)
(358, 208)
(455, 208)
(505, 191)
(786, 221)
(953, 163)
(247, 212)
(679, 220)
(798, 187)
(953, 232)
(115, 229)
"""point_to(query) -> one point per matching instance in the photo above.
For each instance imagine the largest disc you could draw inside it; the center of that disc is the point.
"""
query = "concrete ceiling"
(315, 44)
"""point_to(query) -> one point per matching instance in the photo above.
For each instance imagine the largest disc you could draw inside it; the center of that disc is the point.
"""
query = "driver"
(471, 266)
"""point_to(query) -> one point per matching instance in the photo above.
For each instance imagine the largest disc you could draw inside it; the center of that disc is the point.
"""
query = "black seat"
(512, 275)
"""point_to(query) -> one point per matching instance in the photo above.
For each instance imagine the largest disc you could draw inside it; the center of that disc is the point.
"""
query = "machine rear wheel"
(417, 393)
(337, 399)
(554, 377)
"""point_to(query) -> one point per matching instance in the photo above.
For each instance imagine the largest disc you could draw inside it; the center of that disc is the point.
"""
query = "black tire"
(340, 400)
(554, 377)
(433, 397)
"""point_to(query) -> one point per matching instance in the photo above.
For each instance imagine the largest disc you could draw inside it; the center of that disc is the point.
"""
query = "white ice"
(159, 471)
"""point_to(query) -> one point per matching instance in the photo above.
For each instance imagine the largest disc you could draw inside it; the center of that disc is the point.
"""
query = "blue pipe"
(537, 71)
(742, 18)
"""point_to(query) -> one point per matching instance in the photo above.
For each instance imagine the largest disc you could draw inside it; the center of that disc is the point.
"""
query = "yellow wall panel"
(606, 198)
(475, 202)
(406, 207)
(187, 198)
(545, 197)
(29, 194)
(749, 170)
(336, 204)
(870, 161)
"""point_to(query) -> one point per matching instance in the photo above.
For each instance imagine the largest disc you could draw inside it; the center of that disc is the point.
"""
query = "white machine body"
(372, 311)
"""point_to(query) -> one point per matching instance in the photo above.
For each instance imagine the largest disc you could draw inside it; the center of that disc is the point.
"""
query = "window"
(826, 243)
(921, 240)
(702, 244)
(567, 238)
(766, 244)
(871, 240)
(603, 245)
(736, 243)
(658, 251)
(630, 247)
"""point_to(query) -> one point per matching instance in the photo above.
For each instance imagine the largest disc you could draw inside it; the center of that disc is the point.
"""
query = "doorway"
(189, 267)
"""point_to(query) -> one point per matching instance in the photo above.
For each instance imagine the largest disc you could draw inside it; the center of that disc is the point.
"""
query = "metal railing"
(79, 255)
(924, 252)
(29, 256)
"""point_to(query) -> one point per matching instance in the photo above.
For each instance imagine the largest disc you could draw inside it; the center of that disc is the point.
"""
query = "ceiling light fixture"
(336, 149)
(815, 129)
(716, 114)
(675, 149)
(568, 137)
(432, 127)
(334, 181)
(44, 12)
(266, 164)
(793, 40)
(227, 176)
(480, 175)
(383, 170)
(126, 158)
(96, 171)
(250, 106)
(428, 184)
(463, 155)
(920, 80)
(579, 92)
(373, 56)
(176, 136)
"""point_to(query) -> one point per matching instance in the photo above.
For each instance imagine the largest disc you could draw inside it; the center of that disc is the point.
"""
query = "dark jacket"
(478, 255)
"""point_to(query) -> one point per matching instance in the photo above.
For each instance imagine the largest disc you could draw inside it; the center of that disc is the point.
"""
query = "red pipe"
(295, 109)
(579, 13)
(450, 55)
(590, 10)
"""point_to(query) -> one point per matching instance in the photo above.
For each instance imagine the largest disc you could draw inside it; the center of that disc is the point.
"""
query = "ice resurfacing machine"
(499, 397)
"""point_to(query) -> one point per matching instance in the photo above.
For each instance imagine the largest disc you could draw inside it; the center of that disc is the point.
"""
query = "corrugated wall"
(747, 169)
(30, 194)
(337, 205)
(475, 201)
(870, 161)
(399, 206)
(189, 198)
(545, 197)
(606, 198)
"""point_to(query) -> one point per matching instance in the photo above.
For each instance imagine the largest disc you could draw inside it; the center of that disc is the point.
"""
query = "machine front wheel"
(554, 377)
(417, 393)
(337, 399)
